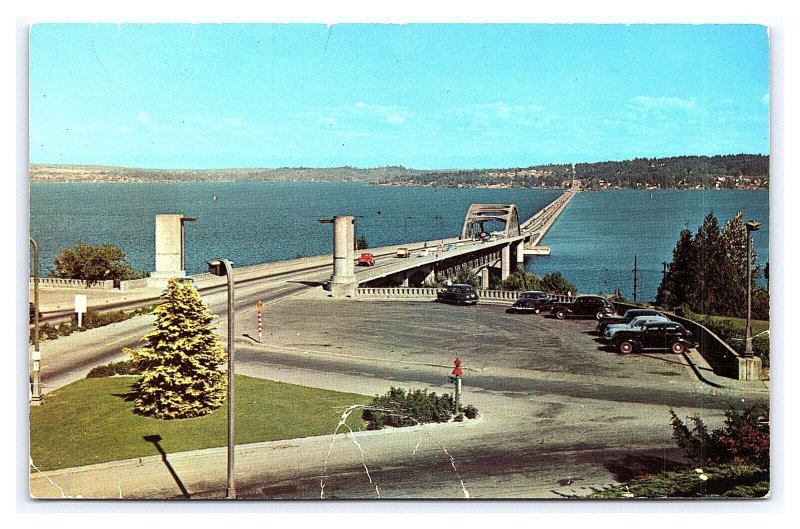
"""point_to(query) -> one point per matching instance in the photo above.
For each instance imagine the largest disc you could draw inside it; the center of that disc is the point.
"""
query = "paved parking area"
(488, 340)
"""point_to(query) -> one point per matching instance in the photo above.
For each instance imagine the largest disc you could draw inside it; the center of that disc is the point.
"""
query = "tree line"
(708, 273)
(751, 170)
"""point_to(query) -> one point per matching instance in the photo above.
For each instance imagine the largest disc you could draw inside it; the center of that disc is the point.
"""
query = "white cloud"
(144, 118)
(392, 114)
(666, 102)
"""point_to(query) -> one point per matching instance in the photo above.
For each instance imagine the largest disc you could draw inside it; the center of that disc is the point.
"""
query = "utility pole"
(663, 271)
(635, 277)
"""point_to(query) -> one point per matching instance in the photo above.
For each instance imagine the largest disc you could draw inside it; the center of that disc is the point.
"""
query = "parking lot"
(488, 340)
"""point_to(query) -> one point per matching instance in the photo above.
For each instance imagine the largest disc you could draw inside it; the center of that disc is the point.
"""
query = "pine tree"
(679, 282)
(180, 376)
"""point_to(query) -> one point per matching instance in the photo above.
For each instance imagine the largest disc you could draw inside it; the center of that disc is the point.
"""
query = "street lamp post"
(748, 331)
(223, 267)
(36, 392)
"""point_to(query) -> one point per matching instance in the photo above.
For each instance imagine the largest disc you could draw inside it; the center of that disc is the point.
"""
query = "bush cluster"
(552, 283)
(125, 367)
(743, 440)
(732, 461)
(91, 319)
(401, 408)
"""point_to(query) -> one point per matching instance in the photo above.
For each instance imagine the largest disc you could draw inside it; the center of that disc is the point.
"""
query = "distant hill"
(98, 173)
(735, 171)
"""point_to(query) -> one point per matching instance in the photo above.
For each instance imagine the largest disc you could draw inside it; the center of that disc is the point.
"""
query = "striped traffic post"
(260, 306)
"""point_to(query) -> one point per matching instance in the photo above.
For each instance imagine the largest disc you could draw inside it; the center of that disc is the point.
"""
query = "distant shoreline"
(376, 184)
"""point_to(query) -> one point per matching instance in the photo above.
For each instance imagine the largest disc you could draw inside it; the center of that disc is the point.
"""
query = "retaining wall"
(722, 358)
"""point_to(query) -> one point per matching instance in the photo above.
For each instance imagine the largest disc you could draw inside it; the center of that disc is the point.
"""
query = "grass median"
(92, 421)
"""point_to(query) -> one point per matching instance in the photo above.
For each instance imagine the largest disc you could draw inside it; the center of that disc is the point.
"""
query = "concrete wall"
(723, 359)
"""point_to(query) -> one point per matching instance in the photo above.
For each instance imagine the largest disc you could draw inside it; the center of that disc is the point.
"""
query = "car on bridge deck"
(366, 259)
(458, 294)
(403, 252)
(532, 301)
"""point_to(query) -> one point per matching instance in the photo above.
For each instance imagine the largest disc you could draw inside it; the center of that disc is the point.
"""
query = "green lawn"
(91, 421)
(739, 323)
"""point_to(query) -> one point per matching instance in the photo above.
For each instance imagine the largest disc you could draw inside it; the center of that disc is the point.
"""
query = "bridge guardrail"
(429, 293)
(72, 283)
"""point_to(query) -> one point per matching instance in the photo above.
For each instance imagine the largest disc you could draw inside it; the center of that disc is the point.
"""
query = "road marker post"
(260, 306)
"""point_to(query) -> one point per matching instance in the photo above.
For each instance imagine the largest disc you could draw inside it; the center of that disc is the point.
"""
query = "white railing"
(132, 284)
(430, 293)
(72, 283)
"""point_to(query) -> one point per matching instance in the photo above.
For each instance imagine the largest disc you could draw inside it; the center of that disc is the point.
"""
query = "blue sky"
(423, 96)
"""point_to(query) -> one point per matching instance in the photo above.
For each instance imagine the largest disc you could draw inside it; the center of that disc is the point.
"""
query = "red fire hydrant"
(457, 373)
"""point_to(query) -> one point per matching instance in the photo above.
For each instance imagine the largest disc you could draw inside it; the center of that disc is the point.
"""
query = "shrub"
(743, 440)
(555, 283)
(520, 280)
(728, 481)
(125, 367)
(470, 411)
(400, 408)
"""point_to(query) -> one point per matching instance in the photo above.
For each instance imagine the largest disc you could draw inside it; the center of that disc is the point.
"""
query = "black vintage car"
(583, 307)
(532, 301)
(625, 318)
(461, 294)
(670, 336)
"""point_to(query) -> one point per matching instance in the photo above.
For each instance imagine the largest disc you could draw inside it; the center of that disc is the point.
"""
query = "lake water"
(592, 243)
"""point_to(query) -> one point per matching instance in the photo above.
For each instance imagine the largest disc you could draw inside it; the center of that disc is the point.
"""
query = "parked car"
(460, 294)
(635, 323)
(403, 252)
(533, 301)
(671, 336)
(583, 307)
(625, 318)
(366, 259)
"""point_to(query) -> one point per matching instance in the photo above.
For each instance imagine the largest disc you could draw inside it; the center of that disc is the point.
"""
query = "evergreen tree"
(180, 376)
(709, 272)
(678, 282)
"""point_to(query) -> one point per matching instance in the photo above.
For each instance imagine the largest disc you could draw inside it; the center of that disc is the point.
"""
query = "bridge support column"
(343, 281)
(519, 249)
(485, 278)
(505, 262)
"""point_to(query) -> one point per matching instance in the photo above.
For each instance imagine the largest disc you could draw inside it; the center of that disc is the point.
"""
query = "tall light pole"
(748, 331)
(36, 392)
(223, 267)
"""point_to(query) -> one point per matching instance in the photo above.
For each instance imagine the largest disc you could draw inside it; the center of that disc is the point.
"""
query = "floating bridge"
(504, 251)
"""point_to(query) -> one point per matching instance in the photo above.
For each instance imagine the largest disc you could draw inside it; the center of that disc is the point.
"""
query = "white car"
(635, 323)
(425, 252)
